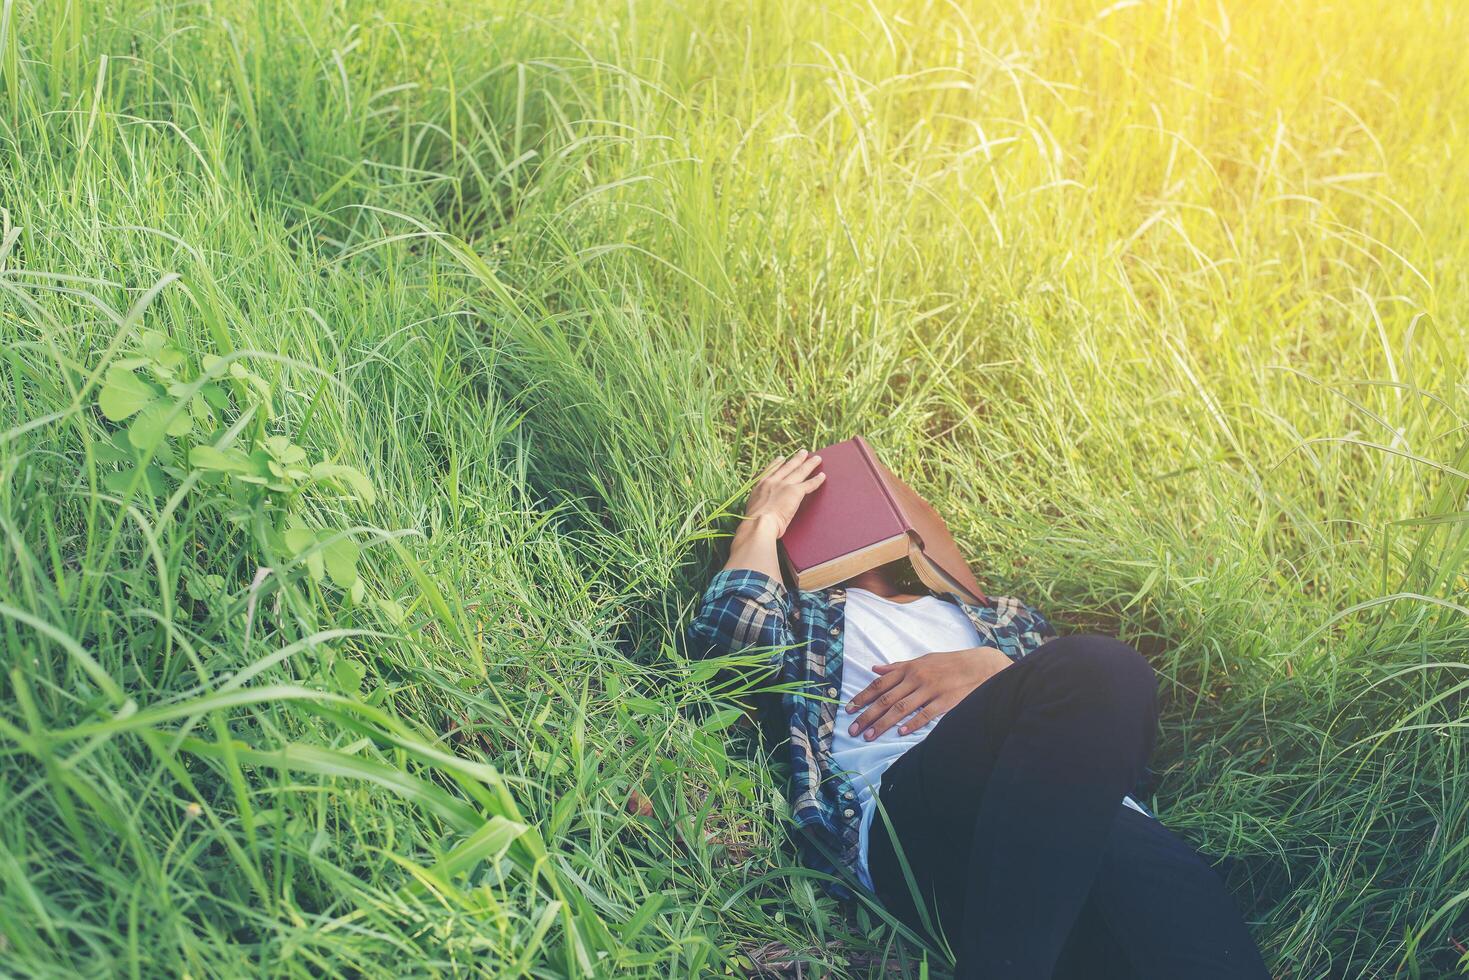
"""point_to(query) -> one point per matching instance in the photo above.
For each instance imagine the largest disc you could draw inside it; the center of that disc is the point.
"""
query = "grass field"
(377, 379)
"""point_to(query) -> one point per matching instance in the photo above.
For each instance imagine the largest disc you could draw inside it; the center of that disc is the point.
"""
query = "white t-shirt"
(881, 631)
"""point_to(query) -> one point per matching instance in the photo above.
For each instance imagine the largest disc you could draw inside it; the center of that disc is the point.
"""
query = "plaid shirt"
(744, 609)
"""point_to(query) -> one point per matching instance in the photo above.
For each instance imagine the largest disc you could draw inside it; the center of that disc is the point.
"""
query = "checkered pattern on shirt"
(743, 609)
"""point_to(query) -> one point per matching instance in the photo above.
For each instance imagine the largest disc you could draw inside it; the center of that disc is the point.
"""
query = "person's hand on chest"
(912, 693)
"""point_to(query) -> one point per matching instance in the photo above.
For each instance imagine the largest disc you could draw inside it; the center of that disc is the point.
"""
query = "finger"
(932, 711)
(770, 468)
(786, 467)
(887, 703)
(811, 484)
(804, 468)
(929, 712)
(874, 689)
(865, 695)
(901, 708)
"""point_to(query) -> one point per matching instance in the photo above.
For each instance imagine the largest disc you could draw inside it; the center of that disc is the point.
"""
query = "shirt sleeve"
(1011, 626)
(742, 609)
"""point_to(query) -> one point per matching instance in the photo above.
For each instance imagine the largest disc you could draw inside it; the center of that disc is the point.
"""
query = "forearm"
(745, 605)
(753, 546)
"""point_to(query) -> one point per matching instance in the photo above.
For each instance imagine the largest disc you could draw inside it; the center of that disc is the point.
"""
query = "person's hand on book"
(912, 693)
(780, 488)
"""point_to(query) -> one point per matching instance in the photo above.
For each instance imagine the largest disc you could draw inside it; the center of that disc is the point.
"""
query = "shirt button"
(831, 692)
(849, 812)
(849, 794)
(836, 631)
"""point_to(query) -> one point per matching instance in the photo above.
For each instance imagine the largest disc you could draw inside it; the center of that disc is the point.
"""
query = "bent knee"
(1102, 663)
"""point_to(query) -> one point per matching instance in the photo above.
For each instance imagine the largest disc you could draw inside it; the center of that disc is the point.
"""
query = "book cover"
(864, 516)
(850, 511)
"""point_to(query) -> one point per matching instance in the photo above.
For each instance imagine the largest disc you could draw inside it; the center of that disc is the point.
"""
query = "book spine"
(887, 491)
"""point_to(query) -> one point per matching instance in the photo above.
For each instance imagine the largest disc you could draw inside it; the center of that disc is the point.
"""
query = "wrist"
(754, 546)
(988, 661)
(760, 526)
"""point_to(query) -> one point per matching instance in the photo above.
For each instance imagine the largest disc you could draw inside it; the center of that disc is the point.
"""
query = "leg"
(1005, 808)
(1092, 952)
(1170, 911)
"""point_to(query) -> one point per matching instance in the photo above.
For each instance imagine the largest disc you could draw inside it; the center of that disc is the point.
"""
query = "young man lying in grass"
(969, 747)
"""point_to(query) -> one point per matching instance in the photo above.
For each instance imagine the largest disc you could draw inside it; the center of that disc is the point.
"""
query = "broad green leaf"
(341, 554)
(200, 410)
(287, 473)
(157, 481)
(202, 587)
(151, 342)
(392, 611)
(298, 539)
(181, 424)
(347, 478)
(331, 763)
(229, 460)
(261, 386)
(284, 450)
(259, 472)
(153, 484)
(115, 449)
(156, 421)
(348, 675)
(489, 843)
(195, 588)
(722, 719)
(643, 706)
(125, 394)
(220, 699)
(216, 396)
(703, 671)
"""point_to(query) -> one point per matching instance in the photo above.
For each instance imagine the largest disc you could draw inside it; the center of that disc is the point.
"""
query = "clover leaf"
(327, 553)
(125, 394)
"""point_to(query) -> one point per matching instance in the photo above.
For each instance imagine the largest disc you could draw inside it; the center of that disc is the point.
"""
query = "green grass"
(1163, 304)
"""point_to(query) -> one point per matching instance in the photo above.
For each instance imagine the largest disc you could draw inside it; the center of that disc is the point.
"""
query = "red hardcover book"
(863, 516)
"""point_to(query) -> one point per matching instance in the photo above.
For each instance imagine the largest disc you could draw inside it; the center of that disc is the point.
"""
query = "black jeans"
(1010, 816)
